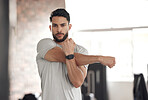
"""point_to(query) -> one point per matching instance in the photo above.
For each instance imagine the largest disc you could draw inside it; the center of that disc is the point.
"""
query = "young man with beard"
(62, 64)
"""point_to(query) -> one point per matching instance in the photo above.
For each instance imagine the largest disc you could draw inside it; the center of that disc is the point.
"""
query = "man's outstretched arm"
(56, 54)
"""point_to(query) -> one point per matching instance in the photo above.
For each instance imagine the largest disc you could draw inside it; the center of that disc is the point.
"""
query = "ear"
(50, 27)
(70, 25)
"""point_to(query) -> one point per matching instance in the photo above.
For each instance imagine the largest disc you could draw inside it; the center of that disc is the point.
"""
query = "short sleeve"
(81, 50)
(44, 45)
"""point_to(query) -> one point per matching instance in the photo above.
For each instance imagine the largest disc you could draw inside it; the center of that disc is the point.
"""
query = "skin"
(75, 67)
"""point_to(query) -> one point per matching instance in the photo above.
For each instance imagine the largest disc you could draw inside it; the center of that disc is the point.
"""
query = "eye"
(54, 25)
(62, 25)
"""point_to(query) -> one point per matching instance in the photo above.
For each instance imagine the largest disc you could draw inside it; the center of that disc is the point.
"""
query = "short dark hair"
(60, 12)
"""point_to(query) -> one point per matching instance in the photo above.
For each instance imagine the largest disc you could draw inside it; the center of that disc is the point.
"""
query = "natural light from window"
(129, 44)
(98, 14)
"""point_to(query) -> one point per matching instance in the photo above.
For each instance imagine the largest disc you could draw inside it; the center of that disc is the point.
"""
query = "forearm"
(75, 74)
(56, 55)
(89, 59)
(86, 59)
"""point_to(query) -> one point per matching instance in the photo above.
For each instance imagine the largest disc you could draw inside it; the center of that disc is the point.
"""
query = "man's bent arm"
(76, 74)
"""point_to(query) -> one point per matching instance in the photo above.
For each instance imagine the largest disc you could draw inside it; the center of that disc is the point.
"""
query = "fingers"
(70, 41)
(68, 46)
(109, 61)
(113, 63)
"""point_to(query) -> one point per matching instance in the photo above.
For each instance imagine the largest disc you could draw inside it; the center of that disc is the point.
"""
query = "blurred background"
(116, 28)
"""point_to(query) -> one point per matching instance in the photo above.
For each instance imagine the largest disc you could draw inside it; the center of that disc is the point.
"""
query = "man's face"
(60, 28)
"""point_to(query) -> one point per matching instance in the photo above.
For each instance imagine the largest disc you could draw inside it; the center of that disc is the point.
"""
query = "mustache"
(59, 33)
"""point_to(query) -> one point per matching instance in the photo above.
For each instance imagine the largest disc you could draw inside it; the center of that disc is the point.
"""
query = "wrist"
(66, 53)
(70, 56)
(100, 58)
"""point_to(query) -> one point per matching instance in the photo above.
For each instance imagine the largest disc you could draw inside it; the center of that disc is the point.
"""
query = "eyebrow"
(54, 23)
(60, 24)
(63, 24)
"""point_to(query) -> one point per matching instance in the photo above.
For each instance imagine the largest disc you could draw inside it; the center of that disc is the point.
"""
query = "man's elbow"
(77, 84)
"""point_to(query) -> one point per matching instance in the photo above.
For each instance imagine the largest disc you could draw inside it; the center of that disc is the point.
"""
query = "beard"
(60, 40)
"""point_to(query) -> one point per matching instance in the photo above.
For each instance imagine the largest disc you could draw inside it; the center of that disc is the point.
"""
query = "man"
(62, 64)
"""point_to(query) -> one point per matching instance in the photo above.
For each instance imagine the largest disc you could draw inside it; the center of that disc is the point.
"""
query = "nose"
(59, 29)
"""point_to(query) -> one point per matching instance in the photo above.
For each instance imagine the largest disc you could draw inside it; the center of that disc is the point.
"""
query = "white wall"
(120, 90)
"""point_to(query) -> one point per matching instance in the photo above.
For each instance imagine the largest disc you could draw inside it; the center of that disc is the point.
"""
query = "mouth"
(59, 34)
(60, 37)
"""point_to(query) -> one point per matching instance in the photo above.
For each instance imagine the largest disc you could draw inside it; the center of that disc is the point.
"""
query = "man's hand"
(108, 61)
(68, 46)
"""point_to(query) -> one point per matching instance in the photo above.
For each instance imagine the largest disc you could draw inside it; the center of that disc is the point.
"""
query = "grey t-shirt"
(55, 83)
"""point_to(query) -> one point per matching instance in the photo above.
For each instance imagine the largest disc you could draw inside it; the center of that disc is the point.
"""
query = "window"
(129, 47)
(100, 14)
(113, 28)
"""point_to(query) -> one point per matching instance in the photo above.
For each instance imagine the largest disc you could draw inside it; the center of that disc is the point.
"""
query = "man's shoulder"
(79, 46)
(45, 43)
(46, 39)
(80, 49)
